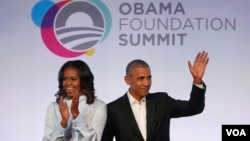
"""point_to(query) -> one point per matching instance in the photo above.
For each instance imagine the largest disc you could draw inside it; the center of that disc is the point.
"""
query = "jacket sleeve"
(90, 126)
(195, 104)
(53, 131)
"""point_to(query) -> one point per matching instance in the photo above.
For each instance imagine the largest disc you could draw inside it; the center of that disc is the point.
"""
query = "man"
(142, 116)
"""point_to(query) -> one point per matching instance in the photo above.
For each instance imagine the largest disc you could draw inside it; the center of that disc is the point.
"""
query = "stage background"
(28, 72)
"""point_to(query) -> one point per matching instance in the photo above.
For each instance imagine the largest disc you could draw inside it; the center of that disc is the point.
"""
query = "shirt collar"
(132, 100)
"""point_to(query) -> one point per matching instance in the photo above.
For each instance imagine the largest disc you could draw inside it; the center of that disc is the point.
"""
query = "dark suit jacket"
(122, 125)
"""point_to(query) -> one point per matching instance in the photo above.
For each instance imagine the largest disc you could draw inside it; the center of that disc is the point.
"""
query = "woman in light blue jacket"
(76, 115)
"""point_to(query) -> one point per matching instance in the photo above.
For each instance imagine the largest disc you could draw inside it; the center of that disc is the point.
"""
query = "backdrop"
(37, 37)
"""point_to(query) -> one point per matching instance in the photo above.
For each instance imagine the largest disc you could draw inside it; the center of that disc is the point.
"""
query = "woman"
(76, 115)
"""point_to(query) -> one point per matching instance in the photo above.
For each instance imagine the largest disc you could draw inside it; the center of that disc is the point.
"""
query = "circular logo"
(72, 28)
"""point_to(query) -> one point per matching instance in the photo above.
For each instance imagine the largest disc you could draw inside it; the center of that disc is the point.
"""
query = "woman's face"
(71, 82)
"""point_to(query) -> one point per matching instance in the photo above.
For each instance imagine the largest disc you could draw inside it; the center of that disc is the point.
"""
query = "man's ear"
(127, 79)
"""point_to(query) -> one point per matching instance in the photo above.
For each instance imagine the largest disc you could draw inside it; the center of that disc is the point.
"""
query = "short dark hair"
(86, 79)
(136, 63)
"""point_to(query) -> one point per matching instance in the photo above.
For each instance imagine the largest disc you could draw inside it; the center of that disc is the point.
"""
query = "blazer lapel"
(127, 110)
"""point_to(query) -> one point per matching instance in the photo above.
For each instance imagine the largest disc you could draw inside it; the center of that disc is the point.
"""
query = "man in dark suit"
(142, 116)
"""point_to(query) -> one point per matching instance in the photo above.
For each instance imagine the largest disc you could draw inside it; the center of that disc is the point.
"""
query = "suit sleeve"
(194, 105)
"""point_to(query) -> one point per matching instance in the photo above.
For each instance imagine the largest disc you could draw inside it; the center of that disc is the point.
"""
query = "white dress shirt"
(139, 111)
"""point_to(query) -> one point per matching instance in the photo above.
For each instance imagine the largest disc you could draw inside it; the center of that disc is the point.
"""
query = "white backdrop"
(28, 72)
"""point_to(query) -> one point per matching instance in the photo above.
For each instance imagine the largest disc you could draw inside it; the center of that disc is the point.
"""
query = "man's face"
(140, 81)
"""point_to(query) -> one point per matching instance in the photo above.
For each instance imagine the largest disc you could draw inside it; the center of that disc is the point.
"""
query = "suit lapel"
(130, 116)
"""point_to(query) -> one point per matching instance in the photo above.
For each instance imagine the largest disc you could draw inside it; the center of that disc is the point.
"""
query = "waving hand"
(199, 66)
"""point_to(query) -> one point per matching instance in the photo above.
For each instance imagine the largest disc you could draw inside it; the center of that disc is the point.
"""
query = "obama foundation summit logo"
(70, 28)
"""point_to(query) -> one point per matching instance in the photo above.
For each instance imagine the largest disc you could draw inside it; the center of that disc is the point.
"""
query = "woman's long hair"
(86, 80)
